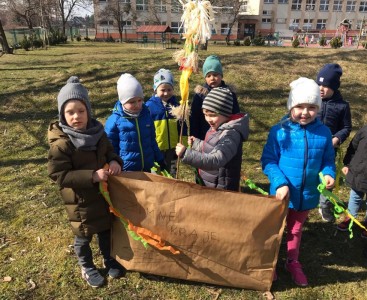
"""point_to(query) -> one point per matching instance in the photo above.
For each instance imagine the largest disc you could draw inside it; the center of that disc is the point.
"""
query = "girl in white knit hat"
(298, 148)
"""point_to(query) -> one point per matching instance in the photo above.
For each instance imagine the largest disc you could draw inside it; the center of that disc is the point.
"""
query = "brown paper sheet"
(224, 238)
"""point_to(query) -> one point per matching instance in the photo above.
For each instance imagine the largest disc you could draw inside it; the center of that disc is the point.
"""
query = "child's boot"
(85, 260)
(295, 268)
(93, 277)
(115, 270)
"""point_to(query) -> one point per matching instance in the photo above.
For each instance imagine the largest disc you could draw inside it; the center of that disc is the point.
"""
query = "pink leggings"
(295, 220)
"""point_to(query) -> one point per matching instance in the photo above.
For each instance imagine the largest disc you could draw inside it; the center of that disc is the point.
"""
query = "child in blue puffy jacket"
(130, 128)
(298, 148)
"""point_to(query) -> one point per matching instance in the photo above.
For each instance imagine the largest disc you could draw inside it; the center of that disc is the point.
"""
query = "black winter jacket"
(335, 114)
(356, 160)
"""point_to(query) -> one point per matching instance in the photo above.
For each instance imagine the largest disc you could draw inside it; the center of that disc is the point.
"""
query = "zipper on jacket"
(141, 148)
(304, 167)
(167, 121)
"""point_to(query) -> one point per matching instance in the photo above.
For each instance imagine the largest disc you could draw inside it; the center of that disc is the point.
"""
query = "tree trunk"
(4, 41)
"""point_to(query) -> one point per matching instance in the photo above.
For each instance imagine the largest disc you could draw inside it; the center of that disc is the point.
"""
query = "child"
(335, 114)
(297, 149)
(213, 74)
(355, 169)
(166, 126)
(130, 128)
(219, 156)
(79, 149)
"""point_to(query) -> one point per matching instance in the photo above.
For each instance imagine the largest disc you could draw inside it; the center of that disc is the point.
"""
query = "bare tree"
(228, 10)
(119, 13)
(155, 11)
(66, 9)
(25, 12)
(3, 40)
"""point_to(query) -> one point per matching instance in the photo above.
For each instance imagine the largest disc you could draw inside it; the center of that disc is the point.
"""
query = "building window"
(141, 23)
(176, 6)
(294, 24)
(310, 4)
(266, 20)
(281, 21)
(324, 5)
(176, 27)
(267, 12)
(307, 23)
(296, 4)
(243, 6)
(351, 5)
(224, 28)
(283, 1)
(126, 23)
(142, 4)
(363, 6)
(160, 5)
(338, 5)
(106, 23)
(125, 1)
(321, 24)
(268, 1)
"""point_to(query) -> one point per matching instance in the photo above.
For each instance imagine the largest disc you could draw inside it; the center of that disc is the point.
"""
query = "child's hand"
(100, 175)
(115, 168)
(345, 170)
(282, 193)
(190, 140)
(329, 182)
(336, 142)
(180, 149)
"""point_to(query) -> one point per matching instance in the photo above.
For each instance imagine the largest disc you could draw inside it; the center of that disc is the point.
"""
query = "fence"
(15, 36)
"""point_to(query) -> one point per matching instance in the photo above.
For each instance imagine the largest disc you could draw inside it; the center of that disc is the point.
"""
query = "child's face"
(326, 92)
(304, 113)
(213, 79)
(164, 91)
(134, 105)
(214, 119)
(76, 114)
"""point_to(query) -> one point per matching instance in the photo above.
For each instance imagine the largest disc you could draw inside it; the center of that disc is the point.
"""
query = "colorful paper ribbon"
(145, 236)
(339, 206)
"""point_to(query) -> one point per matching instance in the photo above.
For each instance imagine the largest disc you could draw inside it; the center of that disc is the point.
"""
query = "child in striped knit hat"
(219, 156)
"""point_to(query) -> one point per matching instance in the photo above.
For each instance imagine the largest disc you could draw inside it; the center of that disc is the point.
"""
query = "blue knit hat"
(212, 64)
(162, 76)
(329, 76)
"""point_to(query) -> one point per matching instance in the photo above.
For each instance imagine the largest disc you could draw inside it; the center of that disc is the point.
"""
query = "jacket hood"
(55, 133)
(238, 122)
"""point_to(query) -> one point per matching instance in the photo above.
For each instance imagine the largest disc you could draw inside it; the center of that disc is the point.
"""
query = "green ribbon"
(339, 206)
(253, 186)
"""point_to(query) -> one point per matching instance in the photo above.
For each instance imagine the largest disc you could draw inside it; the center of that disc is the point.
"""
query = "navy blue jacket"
(335, 114)
(198, 126)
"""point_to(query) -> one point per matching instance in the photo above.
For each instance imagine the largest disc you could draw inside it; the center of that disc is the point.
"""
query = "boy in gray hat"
(219, 156)
(79, 149)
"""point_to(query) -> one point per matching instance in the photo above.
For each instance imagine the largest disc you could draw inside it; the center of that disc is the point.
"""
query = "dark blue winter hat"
(329, 76)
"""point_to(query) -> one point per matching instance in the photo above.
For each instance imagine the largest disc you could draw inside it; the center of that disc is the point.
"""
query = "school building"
(284, 17)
